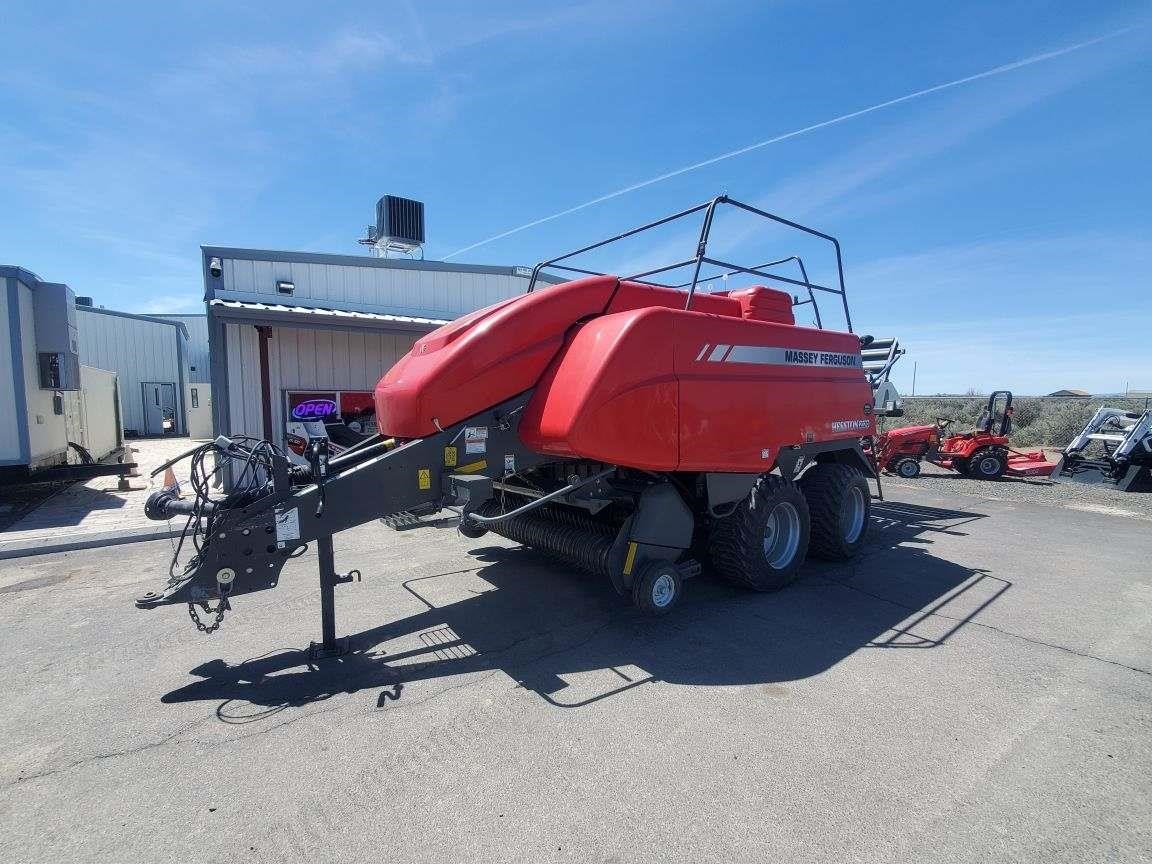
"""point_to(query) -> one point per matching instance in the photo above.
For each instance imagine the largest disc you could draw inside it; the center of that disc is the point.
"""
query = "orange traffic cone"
(171, 483)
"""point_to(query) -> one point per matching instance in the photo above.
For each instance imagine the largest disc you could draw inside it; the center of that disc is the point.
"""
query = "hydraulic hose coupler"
(164, 504)
(156, 507)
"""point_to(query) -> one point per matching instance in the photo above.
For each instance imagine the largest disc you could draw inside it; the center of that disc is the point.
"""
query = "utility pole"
(914, 365)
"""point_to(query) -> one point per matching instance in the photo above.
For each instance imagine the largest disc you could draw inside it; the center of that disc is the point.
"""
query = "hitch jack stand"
(329, 646)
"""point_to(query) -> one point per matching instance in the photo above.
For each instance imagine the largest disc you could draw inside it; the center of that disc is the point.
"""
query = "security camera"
(215, 268)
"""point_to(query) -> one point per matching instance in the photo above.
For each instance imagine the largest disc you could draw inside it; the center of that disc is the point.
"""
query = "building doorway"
(159, 408)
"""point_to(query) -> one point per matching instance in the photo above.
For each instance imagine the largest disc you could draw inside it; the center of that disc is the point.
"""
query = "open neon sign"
(314, 409)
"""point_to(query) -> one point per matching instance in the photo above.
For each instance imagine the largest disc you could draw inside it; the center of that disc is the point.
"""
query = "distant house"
(1080, 394)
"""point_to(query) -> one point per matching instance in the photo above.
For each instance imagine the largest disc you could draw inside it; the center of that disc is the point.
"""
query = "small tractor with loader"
(639, 430)
(984, 453)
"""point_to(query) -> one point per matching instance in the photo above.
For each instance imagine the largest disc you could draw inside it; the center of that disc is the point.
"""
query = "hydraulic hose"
(539, 502)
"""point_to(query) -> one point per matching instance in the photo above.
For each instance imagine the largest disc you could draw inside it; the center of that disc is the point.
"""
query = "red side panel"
(611, 394)
(665, 390)
(748, 388)
(484, 358)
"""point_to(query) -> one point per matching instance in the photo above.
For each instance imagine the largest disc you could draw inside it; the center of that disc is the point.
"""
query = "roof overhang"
(278, 315)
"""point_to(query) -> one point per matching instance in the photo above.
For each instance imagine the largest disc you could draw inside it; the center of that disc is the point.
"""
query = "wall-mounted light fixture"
(285, 287)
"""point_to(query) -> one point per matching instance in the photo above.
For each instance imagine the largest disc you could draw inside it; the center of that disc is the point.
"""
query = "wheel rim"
(852, 516)
(989, 465)
(782, 535)
(908, 469)
(663, 591)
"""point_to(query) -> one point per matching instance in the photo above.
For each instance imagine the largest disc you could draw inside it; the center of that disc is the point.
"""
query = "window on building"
(195, 398)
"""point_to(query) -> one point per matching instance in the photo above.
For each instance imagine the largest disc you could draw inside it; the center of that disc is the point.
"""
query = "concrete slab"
(976, 688)
(96, 513)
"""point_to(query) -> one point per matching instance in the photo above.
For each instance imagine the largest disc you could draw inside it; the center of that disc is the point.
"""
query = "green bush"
(1050, 422)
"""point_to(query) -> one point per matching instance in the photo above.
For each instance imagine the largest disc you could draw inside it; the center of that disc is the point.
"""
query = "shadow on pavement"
(571, 640)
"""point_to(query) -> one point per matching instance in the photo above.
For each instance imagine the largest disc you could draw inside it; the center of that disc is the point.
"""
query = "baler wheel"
(762, 543)
(657, 588)
(840, 505)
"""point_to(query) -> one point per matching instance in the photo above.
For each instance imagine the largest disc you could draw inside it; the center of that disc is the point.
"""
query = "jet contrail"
(987, 73)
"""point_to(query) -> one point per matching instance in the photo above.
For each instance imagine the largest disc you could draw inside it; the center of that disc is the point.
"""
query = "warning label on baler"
(475, 439)
(287, 525)
(424, 478)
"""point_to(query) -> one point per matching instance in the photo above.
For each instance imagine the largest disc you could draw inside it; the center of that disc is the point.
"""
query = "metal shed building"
(147, 353)
(286, 326)
(57, 411)
(38, 326)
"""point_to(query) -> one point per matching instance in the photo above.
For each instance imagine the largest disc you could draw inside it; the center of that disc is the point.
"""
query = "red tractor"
(983, 453)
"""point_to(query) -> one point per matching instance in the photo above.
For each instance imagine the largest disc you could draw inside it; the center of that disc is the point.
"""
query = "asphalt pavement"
(976, 688)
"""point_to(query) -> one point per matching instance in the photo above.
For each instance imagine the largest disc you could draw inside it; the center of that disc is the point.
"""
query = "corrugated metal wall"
(395, 291)
(196, 348)
(137, 351)
(13, 415)
(301, 359)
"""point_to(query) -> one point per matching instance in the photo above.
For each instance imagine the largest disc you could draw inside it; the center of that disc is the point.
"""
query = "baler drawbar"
(639, 431)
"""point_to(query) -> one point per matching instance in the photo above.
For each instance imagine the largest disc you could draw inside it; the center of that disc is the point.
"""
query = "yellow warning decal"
(449, 457)
(424, 478)
(473, 467)
(630, 559)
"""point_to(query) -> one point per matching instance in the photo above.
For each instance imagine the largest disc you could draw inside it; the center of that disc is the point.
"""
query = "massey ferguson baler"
(640, 431)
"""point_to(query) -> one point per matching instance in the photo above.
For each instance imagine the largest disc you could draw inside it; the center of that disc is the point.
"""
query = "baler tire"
(657, 588)
(736, 542)
(840, 507)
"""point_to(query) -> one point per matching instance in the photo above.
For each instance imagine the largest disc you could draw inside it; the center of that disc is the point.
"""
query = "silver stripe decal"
(717, 353)
(759, 354)
(703, 351)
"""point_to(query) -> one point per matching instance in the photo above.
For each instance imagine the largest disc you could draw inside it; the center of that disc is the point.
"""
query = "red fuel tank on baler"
(624, 375)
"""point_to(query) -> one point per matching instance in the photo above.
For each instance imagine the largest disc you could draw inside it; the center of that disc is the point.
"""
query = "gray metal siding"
(196, 348)
(136, 350)
(47, 430)
(301, 359)
(395, 291)
(13, 432)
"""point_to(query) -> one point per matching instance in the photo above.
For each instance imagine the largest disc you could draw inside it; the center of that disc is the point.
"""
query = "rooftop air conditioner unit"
(399, 226)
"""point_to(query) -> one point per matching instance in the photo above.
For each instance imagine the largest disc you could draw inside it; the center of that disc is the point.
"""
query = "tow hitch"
(237, 542)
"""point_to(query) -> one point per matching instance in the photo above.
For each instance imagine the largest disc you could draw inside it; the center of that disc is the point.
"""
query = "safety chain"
(218, 611)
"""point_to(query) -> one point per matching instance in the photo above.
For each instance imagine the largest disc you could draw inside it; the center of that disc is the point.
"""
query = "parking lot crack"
(112, 754)
(993, 628)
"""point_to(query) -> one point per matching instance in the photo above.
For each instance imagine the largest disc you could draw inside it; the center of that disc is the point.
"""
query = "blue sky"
(1002, 228)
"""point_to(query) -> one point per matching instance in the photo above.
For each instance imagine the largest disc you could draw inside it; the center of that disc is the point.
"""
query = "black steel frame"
(701, 258)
